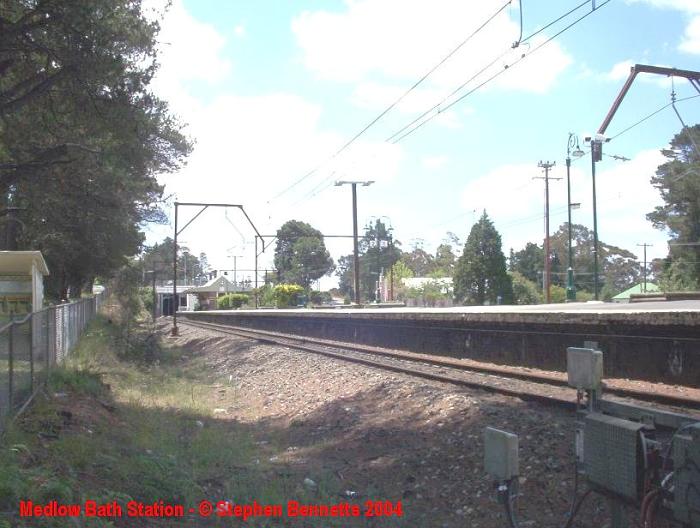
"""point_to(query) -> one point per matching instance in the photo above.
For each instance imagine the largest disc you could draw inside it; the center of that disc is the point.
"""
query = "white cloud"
(239, 31)
(248, 148)
(434, 162)
(621, 70)
(188, 50)
(688, 6)
(515, 201)
(393, 39)
(691, 40)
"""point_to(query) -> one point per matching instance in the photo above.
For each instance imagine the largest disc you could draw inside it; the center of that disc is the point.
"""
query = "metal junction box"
(612, 454)
(500, 454)
(584, 367)
(686, 466)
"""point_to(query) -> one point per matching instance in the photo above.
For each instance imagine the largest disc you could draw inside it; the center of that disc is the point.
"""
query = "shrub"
(287, 295)
(231, 301)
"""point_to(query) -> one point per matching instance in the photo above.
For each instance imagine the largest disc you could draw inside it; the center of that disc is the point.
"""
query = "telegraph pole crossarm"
(644, 270)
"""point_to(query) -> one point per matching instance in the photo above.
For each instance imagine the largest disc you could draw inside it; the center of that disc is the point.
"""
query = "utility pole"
(546, 166)
(644, 270)
(356, 257)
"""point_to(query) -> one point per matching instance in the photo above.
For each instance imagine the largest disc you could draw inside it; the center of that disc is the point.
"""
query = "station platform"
(651, 341)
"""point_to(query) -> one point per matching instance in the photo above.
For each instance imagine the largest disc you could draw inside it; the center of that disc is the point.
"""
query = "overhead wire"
(393, 139)
(397, 101)
(500, 72)
(646, 118)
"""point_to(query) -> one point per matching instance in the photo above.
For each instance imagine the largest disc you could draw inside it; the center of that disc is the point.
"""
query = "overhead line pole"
(356, 257)
(204, 206)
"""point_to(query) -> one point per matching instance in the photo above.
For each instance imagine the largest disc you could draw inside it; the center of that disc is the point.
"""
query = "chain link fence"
(30, 345)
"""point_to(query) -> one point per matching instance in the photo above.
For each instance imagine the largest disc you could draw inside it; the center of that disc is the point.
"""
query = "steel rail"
(467, 366)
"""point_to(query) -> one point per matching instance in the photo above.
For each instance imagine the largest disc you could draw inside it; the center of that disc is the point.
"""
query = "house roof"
(20, 262)
(637, 288)
(219, 284)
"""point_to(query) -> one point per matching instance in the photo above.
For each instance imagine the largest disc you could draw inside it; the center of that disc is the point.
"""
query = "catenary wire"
(664, 107)
(482, 70)
(497, 74)
(397, 101)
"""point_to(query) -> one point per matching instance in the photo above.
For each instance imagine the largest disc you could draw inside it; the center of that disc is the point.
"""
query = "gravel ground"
(392, 437)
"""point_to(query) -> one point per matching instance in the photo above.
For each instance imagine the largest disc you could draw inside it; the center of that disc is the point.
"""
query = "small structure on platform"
(211, 291)
(21, 282)
(624, 297)
(164, 300)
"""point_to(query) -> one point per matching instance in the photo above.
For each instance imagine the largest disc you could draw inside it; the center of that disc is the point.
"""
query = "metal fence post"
(48, 344)
(11, 359)
(31, 353)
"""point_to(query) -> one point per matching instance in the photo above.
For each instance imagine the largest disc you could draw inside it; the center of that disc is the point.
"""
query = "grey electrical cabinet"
(686, 476)
(612, 454)
(584, 368)
(500, 454)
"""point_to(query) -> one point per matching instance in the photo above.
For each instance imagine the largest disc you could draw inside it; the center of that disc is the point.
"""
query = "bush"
(231, 301)
(287, 295)
(317, 297)
(525, 291)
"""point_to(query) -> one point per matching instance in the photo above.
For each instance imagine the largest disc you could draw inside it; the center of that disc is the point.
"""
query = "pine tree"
(678, 181)
(480, 274)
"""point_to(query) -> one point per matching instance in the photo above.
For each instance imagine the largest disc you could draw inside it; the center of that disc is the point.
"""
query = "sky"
(271, 91)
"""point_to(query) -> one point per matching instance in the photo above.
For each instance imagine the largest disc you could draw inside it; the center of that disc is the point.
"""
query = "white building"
(21, 282)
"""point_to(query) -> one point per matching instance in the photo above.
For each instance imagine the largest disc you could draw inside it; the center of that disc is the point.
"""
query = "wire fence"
(30, 345)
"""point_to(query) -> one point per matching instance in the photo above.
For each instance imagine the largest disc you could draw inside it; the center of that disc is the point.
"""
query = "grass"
(113, 426)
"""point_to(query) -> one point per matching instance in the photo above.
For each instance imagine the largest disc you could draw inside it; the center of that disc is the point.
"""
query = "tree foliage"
(378, 252)
(678, 182)
(159, 257)
(300, 254)
(525, 291)
(82, 138)
(480, 274)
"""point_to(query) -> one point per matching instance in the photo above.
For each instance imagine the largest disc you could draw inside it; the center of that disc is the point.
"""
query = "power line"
(500, 72)
(397, 101)
(482, 70)
(393, 139)
(664, 107)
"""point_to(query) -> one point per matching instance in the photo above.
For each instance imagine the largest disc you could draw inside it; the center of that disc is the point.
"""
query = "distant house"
(624, 297)
(207, 294)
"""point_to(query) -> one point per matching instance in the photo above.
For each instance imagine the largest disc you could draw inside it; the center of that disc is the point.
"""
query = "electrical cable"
(497, 74)
(393, 138)
(397, 101)
(664, 107)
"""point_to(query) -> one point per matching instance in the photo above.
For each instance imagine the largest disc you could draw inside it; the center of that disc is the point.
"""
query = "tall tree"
(619, 267)
(82, 138)
(480, 274)
(300, 254)
(444, 261)
(529, 262)
(678, 181)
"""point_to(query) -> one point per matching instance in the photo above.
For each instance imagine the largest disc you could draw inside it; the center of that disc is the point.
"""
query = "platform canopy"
(20, 262)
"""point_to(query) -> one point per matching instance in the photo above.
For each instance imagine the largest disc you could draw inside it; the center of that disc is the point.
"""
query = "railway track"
(549, 388)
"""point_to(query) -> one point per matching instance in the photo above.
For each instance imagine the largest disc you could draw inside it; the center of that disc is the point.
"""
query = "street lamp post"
(356, 257)
(577, 153)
